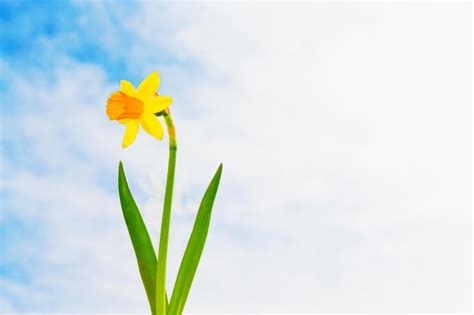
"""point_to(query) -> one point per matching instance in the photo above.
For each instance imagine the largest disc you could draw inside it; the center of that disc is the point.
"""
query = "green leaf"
(193, 252)
(142, 244)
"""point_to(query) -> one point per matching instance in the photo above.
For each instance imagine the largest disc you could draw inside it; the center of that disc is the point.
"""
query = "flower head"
(137, 107)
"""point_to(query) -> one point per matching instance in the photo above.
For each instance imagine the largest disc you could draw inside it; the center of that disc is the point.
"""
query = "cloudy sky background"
(345, 133)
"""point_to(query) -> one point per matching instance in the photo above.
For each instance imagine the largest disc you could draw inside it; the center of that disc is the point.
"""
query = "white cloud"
(345, 140)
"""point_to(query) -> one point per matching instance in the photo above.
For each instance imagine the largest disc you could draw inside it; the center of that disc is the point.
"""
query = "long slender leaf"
(194, 249)
(142, 244)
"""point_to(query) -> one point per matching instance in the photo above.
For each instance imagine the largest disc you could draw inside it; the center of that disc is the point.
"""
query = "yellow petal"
(124, 121)
(127, 87)
(157, 104)
(130, 133)
(149, 86)
(151, 125)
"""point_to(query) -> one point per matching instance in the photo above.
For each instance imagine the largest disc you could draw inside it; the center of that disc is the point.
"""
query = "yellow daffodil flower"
(137, 107)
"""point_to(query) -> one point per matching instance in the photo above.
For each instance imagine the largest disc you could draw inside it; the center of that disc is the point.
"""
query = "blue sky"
(344, 131)
(34, 36)
(35, 39)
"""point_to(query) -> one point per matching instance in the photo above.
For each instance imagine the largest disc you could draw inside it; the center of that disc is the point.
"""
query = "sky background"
(344, 129)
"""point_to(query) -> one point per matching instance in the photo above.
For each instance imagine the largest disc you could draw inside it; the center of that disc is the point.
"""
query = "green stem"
(161, 299)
